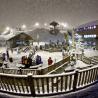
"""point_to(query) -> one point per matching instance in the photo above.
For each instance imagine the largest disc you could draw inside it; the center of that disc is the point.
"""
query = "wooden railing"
(15, 83)
(55, 65)
(18, 71)
(36, 85)
(48, 84)
(35, 71)
(86, 59)
(86, 77)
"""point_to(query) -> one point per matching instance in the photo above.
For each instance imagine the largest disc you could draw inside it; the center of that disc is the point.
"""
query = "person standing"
(7, 53)
(38, 60)
(50, 61)
(29, 62)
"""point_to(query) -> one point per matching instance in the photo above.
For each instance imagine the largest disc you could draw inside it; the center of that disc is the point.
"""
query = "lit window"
(90, 27)
(94, 27)
(90, 36)
(85, 36)
(95, 36)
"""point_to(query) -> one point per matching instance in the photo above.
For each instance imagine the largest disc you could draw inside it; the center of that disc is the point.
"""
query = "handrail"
(48, 84)
(58, 67)
(55, 65)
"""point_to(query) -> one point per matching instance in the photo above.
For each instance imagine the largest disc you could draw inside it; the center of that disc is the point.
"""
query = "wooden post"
(75, 80)
(90, 61)
(20, 71)
(31, 84)
(2, 70)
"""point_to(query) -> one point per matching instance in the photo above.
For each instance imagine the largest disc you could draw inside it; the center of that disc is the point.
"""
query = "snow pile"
(80, 64)
(90, 52)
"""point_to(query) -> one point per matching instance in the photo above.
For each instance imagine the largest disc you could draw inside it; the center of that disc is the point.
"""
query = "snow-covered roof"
(44, 35)
(10, 35)
(92, 23)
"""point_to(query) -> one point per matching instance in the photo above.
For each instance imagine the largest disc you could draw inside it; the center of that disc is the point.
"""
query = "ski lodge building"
(14, 40)
(88, 30)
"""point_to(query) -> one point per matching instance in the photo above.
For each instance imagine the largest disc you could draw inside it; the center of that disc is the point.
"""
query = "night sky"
(74, 12)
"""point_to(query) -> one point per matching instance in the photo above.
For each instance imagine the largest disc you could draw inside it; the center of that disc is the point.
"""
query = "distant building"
(44, 35)
(88, 30)
(20, 39)
(38, 36)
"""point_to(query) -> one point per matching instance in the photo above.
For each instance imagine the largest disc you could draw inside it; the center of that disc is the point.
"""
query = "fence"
(86, 59)
(55, 65)
(47, 84)
(36, 85)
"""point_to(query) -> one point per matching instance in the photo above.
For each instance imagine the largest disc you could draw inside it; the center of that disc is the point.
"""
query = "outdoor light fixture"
(7, 28)
(23, 26)
(64, 24)
(36, 24)
(45, 24)
(94, 27)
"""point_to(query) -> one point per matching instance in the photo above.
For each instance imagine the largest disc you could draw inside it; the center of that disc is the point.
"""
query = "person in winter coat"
(50, 61)
(38, 60)
(29, 62)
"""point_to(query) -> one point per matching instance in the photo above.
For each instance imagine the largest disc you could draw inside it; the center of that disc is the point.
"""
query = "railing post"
(75, 80)
(20, 71)
(90, 61)
(31, 84)
(2, 70)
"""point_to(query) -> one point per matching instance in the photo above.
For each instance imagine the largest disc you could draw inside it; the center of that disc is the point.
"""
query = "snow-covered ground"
(87, 52)
(79, 64)
(90, 52)
(56, 56)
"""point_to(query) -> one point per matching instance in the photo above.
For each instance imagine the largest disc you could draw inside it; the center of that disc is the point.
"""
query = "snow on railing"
(48, 84)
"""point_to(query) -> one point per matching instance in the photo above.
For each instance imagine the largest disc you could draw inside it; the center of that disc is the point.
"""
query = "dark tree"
(54, 24)
(54, 30)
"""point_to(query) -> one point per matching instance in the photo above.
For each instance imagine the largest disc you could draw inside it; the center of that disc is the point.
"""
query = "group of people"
(39, 60)
(27, 61)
